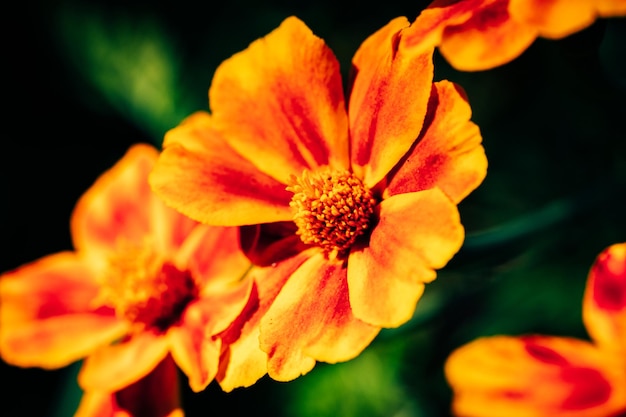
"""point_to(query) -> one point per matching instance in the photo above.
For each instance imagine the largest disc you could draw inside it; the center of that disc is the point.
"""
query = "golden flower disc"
(145, 288)
(331, 209)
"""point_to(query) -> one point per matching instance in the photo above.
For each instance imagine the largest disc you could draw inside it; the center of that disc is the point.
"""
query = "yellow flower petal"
(416, 234)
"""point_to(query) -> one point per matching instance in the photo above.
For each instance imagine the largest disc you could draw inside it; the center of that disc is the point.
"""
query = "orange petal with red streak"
(448, 153)
(193, 343)
(388, 100)
(320, 327)
(426, 31)
(117, 207)
(214, 256)
(243, 361)
(47, 317)
(489, 38)
(280, 103)
(416, 233)
(200, 175)
(196, 353)
(473, 35)
(170, 229)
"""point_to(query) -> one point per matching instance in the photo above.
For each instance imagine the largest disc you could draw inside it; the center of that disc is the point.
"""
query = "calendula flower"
(550, 376)
(144, 283)
(350, 206)
(478, 35)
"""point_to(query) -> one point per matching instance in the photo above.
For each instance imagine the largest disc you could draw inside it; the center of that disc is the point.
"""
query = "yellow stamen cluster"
(331, 209)
(146, 289)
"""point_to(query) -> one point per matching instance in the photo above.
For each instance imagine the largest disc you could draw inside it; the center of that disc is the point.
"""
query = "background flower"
(548, 375)
(144, 282)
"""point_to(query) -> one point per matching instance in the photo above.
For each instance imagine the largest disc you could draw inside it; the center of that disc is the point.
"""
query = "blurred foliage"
(94, 77)
(131, 63)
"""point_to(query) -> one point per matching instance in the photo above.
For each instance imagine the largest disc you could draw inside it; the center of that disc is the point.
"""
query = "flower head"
(348, 208)
(143, 284)
(548, 375)
(477, 35)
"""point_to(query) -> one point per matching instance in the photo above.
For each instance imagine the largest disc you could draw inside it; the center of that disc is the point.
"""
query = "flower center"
(332, 209)
(145, 288)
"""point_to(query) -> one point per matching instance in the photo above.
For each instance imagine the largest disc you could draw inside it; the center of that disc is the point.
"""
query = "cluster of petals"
(145, 293)
(550, 376)
(476, 35)
(372, 182)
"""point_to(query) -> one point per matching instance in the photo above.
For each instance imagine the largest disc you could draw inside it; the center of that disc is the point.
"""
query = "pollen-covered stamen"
(331, 209)
(145, 288)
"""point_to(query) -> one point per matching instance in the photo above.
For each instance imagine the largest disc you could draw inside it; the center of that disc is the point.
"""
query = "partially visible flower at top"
(550, 376)
(351, 207)
(475, 35)
(144, 285)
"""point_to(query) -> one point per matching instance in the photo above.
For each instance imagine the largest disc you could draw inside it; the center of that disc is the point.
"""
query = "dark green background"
(553, 129)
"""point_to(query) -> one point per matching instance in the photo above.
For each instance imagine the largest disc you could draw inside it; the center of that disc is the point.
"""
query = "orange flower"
(552, 376)
(476, 35)
(350, 207)
(143, 283)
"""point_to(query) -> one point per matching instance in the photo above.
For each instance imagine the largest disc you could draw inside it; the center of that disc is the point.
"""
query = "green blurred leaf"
(131, 62)
(368, 386)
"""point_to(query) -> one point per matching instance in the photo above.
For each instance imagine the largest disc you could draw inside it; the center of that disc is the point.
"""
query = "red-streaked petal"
(416, 234)
(194, 344)
(201, 176)
(320, 324)
(490, 38)
(535, 376)
(46, 313)
(57, 284)
(426, 31)
(556, 19)
(218, 308)
(155, 395)
(604, 303)
(472, 35)
(195, 353)
(114, 367)
(58, 341)
(169, 227)
(448, 153)
(388, 100)
(214, 256)
(280, 103)
(117, 207)
(243, 362)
